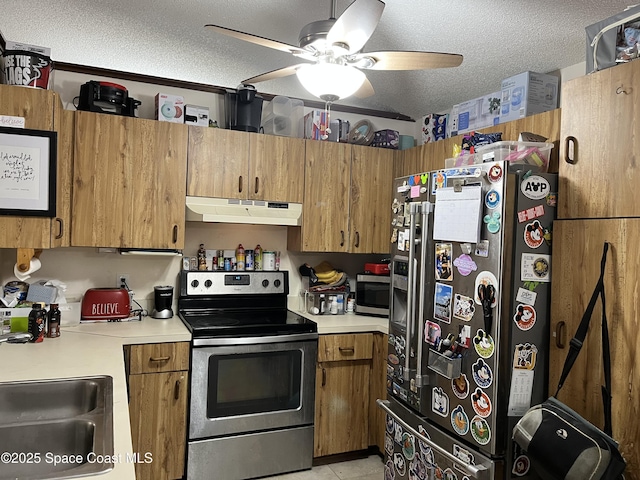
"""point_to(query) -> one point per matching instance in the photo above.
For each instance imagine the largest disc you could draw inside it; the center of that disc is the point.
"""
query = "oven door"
(251, 384)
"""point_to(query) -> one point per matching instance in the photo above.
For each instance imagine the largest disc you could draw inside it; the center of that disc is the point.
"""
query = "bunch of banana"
(327, 274)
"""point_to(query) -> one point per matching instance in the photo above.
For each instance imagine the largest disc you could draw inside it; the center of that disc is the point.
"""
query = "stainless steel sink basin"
(56, 429)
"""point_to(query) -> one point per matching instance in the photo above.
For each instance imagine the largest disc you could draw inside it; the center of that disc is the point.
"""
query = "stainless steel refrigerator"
(469, 318)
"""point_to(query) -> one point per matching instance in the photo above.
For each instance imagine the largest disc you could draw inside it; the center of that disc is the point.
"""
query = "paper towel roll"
(34, 266)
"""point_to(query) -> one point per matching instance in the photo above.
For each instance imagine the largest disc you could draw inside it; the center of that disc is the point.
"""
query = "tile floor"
(370, 468)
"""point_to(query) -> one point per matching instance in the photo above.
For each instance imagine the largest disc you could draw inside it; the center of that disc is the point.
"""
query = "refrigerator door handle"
(479, 472)
(426, 208)
(414, 210)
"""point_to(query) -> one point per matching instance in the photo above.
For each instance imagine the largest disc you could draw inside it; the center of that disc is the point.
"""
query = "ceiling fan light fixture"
(330, 81)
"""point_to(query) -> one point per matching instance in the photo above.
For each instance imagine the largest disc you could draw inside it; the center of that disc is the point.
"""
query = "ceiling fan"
(334, 47)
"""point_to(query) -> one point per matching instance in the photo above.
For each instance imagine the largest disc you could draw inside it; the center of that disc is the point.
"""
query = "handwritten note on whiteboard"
(457, 215)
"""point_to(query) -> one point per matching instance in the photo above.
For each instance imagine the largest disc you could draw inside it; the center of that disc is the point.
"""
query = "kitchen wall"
(83, 268)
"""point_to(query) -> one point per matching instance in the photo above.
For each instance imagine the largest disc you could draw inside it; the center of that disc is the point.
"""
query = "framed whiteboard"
(28, 172)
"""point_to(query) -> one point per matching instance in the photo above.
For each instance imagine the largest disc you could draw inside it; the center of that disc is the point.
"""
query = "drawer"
(159, 357)
(335, 348)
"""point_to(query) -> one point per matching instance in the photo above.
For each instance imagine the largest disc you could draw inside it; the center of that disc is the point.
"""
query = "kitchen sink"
(54, 429)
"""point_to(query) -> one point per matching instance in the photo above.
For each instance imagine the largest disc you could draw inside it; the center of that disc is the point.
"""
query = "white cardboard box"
(526, 94)
(169, 108)
(475, 114)
(196, 115)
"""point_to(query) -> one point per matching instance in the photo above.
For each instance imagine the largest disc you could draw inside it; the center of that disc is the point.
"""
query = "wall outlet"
(122, 280)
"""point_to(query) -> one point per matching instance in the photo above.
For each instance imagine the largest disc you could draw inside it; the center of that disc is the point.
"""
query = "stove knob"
(195, 283)
(265, 283)
(208, 283)
(277, 283)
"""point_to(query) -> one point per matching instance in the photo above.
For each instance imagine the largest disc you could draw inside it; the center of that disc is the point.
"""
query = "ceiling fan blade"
(356, 24)
(265, 42)
(366, 90)
(404, 60)
(279, 73)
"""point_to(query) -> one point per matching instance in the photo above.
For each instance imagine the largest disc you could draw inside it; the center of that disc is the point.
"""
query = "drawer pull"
(240, 183)
(159, 359)
(357, 240)
(571, 150)
(324, 377)
(176, 390)
(346, 349)
(342, 238)
(560, 333)
(257, 185)
(61, 224)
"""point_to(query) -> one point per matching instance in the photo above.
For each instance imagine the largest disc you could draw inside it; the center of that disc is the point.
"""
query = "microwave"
(373, 294)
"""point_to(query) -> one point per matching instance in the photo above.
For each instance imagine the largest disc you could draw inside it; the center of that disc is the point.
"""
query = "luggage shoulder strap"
(576, 344)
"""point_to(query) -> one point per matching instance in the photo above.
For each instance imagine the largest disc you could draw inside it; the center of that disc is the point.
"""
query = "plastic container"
(284, 116)
(532, 154)
(269, 261)
(448, 367)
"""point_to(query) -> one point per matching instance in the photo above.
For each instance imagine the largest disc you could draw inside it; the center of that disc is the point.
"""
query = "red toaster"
(105, 304)
(376, 268)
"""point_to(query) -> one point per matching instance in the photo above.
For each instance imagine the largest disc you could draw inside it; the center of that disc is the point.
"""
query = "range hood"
(257, 212)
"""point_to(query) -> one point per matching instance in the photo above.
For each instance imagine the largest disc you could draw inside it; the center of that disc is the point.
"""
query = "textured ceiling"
(166, 38)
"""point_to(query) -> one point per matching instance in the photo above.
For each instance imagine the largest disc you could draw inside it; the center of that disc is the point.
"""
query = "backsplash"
(84, 268)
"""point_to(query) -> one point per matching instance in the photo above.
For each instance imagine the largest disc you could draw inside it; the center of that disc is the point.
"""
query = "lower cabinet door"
(158, 415)
(342, 407)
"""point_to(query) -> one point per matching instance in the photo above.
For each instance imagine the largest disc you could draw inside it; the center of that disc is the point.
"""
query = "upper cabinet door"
(36, 107)
(218, 163)
(276, 168)
(371, 197)
(599, 173)
(129, 182)
(325, 211)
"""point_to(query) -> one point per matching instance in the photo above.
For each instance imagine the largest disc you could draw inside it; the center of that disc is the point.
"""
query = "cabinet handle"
(342, 238)
(176, 390)
(61, 230)
(158, 359)
(346, 349)
(257, 184)
(560, 332)
(175, 234)
(240, 183)
(324, 377)
(571, 145)
(357, 239)
(620, 90)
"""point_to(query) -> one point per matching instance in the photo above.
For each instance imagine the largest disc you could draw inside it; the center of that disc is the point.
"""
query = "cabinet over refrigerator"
(468, 328)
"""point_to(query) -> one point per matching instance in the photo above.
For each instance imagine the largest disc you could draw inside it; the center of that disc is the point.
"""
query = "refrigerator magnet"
(440, 402)
(418, 468)
(481, 403)
(483, 344)
(535, 267)
(460, 420)
(493, 222)
(486, 278)
(482, 248)
(388, 444)
(408, 446)
(533, 234)
(495, 173)
(424, 448)
(524, 356)
(552, 199)
(530, 213)
(463, 307)
(480, 430)
(389, 473)
(444, 270)
(438, 180)
(526, 296)
(463, 454)
(465, 265)
(460, 386)
(400, 464)
(521, 466)
(442, 302)
(525, 317)
(449, 475)
(535, 187)
(482, 374)
(432, 333)
(492, 199)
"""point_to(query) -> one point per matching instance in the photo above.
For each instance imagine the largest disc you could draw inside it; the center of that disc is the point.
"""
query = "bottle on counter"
(333, 301)
(322, 304)
(257, 258)
(202, 258)
(240, 258)
(340, 304)
(37, 320)
(248, 260)
(53, 321)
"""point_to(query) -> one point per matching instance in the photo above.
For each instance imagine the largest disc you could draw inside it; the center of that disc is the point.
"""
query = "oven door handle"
(479, 472)
(221, 342)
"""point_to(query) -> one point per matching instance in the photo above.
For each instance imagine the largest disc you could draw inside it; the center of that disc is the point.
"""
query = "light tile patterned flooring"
(370, 468)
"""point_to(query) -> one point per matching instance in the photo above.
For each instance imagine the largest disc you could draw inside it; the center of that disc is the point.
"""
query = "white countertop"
(92, 349)
(87, 350)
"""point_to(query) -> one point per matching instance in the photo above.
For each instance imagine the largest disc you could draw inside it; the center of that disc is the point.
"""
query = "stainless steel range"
(252, 376)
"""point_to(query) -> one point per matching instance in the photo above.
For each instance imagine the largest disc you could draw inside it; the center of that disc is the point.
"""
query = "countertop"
(92, 349)
(87, 350)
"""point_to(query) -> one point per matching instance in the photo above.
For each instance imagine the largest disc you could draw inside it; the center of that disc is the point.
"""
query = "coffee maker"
(163, 298)
(243, 109)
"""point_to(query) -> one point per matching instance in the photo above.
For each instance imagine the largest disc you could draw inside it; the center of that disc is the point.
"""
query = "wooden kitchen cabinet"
(42, 110)
(431, 156)
(577, 247)
(377, 416)
(129, 182)
(342, 393)
(347, 199)
(599, 174)
(158, 383)
(232, 164)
